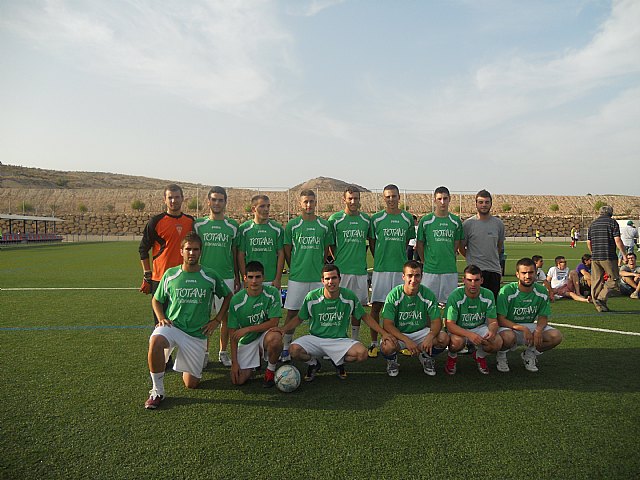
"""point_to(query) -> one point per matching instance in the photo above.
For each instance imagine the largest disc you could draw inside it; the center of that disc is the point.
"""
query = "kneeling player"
(523, 307)
(189, 290)
(471, 317)
(329, 310)
(254, 312)
(412, 316)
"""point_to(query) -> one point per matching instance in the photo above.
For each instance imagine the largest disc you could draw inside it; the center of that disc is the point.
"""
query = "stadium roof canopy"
(4, 216)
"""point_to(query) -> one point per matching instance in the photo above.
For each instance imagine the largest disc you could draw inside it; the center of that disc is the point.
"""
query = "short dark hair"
(191, 237)
(558, 258)
(484, 194)
(307, 192)
(255, 198)
(172, 187)
(472, 270)
(218, 189)
(413, 264)
(441, 190)
(329, 267)
(525, 262)
(631, 254)
(391, 186)
(254, 266)
(535, 258)
(585, 257)
(350, 189)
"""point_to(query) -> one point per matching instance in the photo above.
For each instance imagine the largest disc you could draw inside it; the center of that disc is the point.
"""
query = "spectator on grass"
(564, 281)
(524, 307)
(219, 234)
(630, 277)
(541, 277)
(162, 235)
(350, 229)
(471, 318)
(483, 241)
(602, 239)
(584, 275)
(253, 314)
(412, 316)
(187, 291)
(329, 310)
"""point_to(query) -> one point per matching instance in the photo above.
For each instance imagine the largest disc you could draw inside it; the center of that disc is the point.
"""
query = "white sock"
(355, 331)
(286, 340)
(271, 366)
(501, 353)
(158, 382)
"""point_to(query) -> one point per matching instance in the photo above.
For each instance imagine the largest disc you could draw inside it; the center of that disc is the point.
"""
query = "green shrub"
(506, 207)
(554, 207)
(82, 208)
(138, 205)
(193, 204)
(598, 205)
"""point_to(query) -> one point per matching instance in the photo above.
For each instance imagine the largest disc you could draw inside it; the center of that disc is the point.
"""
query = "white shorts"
(191, 350)
(382, 283)
(217, 301)
(334, 348)
(417, 337)
(249, 355)
(358, 284)
(296, 291)
(441, 284)
(481, 330)
(520, 335)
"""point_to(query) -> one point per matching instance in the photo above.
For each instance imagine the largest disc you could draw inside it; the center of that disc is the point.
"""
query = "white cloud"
(217, 54)
(312, 7)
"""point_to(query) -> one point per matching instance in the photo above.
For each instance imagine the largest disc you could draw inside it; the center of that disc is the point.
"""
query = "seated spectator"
(541, 277)
(564, 282)
(584, 275)
(630, 277)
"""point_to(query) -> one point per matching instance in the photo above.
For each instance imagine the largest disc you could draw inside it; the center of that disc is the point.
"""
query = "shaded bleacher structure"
(20, 224)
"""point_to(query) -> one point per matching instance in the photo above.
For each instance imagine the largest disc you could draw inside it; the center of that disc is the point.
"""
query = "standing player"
(261, 240)
(439, 237)
(162, 235)
(412, 316)
(524, 307)
(350, 230)
(471, 317)
(329, 310)
(188, 292)
(219, 235)
(306, 246)
(390, 232)
(483, 242)
(253, 314)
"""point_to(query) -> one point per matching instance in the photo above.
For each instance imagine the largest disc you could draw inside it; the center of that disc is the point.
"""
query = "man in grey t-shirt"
(483, 241)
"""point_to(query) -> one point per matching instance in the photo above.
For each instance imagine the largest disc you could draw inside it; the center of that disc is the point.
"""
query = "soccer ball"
(287, 378)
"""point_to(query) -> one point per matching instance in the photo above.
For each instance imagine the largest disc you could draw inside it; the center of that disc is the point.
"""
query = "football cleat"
(154, 400)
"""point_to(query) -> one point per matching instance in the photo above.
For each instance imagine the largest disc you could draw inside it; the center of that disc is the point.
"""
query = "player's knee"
(508, 338)
(456, 343)
(442, 340)
(273, 340)
(296, 351)
(158, 343)
(387, 347)
(555, 337)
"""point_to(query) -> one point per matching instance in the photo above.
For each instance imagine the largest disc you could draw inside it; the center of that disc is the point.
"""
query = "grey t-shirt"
(482, 238)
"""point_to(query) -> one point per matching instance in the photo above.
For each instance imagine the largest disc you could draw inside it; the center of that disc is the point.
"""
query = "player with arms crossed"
(350, 230)
(188, 291)
(412, 316)
(253, 314)
(438, 239)
(471, 317)
(306, 246)
(261, 240)
(219, 235)
(524, 307)
(390, 232)
(329, 310)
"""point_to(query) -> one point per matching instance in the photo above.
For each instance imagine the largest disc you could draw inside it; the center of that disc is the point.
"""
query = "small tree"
(193, 204)
(82, 208)
(27, 207)
(247, 208)
(456, 209)
(554, 207)
(138, 205)
(598, 205)
(109, 207)
(506, 207)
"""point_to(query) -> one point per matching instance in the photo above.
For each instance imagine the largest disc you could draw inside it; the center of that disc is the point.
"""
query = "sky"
(520, 97)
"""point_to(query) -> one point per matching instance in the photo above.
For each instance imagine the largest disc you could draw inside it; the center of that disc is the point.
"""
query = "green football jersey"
(411, 313)
(245, 310)
(468, 312)
(218, 238)
(391, 233)
(439, 235)
(523, 307)
(350, 233)
(262, 242)
(330, 318)
(308, 240)
(190, 296)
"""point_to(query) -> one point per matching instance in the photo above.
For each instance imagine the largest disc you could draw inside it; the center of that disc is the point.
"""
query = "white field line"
(594, 329)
